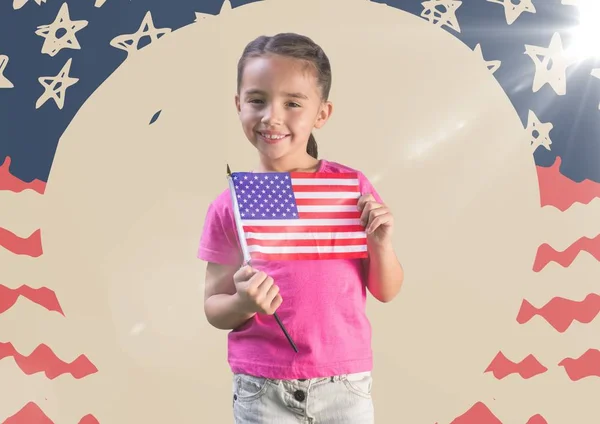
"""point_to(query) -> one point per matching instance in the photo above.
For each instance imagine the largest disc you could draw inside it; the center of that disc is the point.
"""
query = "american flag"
(300, 216)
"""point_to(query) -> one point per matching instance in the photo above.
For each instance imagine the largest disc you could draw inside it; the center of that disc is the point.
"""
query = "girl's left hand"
(377, 219)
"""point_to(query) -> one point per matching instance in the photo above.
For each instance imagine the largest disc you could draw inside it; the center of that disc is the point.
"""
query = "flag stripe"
(324, 181)
(328, 208)
(330, 215)
(292, 223)
(307, 249)
(306, 242)
(306, 229)
(324, 175)
(354, 195)
(308, 256)
(326, 202)
(324, 188)
(307, 235)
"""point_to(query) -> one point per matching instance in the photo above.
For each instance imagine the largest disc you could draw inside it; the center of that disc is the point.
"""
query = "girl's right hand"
(257, 291)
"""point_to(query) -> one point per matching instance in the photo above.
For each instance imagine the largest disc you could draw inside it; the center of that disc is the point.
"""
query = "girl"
(282, 94)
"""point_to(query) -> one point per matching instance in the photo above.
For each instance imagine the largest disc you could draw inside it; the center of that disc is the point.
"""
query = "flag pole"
(245, 251)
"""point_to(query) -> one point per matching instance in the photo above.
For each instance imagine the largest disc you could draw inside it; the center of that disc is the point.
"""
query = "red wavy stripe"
(29, 414)
(478, 414)
(43, 296)
(561, 192)
(33, 414)
(587, 365)
(11, 183)
(527, 368)
(546, 253)
(537, 419)
(43, 359)
(560, 313)
(89, 419)
(31, 246)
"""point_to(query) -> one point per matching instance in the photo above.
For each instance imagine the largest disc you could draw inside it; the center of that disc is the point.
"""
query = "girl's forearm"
(385, 274)
(223, 311)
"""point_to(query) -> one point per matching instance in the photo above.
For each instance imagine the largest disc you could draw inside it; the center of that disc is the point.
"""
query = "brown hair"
(298, 47)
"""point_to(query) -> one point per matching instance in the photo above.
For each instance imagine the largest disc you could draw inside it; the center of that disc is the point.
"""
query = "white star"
(99, 3)
(513, 11)
(130, 42)
(552, 69)
(50, 89)
(17, 4)
(442, 12)
(492, 65)
(539, 132)
(4, 82)
(53, 44)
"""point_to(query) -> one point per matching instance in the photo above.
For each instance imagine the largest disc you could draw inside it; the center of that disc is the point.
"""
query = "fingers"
(381, 219)
(244, 273)
(370, 211)
(275, 304)
(364, 199)
(264, 292)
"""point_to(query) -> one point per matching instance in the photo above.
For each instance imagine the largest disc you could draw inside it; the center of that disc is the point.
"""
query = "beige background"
(416, 110)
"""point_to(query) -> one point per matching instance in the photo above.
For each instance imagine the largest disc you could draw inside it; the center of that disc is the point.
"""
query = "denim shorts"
(342, 399)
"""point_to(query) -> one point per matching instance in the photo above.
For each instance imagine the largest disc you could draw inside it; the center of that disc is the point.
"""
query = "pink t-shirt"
(323, 307)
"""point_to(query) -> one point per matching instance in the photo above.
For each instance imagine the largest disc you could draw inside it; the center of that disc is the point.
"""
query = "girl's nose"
(272, 116)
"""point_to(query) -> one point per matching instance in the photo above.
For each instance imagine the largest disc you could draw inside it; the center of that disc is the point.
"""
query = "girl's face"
(279, 104)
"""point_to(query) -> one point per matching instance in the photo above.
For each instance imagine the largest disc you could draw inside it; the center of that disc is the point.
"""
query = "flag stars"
(53, 43)
(55, 87)
(512, 11)
(130, 42)
(552, 69)
(539, 132)
(441, 13)
(4, 82)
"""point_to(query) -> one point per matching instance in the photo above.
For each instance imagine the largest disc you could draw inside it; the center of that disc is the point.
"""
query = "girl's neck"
(304, 164)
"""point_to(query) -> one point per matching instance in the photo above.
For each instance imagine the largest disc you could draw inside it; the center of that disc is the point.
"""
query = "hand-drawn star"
(55, 87)
(445, 15)
(539, 132)
(513, 11)
(99, 3)
(595, 73)
(4, 82)
(225, 8)
(130, 42)
(17, 4)
(52, 43)
(552, 69)
(492, 65)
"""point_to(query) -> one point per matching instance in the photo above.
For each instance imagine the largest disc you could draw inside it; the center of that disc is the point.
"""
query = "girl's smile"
(271, 137)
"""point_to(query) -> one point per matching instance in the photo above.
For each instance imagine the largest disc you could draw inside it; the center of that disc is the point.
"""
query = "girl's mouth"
(272, 138)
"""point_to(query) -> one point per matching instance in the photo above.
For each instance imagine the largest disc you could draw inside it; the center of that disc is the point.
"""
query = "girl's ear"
(324, 114)
(237, 103)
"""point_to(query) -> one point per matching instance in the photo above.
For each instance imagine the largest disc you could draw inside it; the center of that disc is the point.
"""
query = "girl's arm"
(222, 305)
(384, 272)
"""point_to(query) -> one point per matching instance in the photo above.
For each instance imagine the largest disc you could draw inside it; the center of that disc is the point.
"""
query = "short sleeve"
(219, 242)
(367, 188)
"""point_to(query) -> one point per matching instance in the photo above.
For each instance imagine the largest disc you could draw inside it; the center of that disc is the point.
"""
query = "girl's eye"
(255, 101)
(292, 104)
